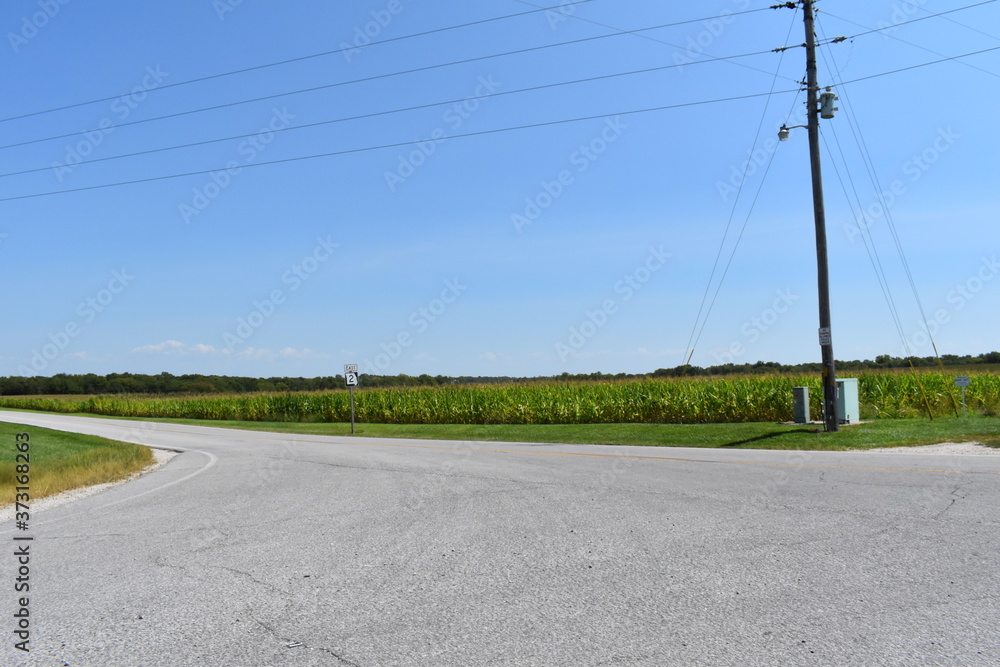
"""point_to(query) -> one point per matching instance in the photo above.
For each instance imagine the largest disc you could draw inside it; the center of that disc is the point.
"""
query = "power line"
(385, 113)
(872, 173)
(522, 127)
(966, 26)
(678, 46)
(871, 248)
(343, 83)
(900, 39)
(935, 62)
(300, 59)
(375, 43)
(870, 166)
(403, 143)
(696, 332)
(922, 18)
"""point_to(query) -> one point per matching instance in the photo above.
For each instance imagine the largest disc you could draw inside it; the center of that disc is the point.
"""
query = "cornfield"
(691, 401)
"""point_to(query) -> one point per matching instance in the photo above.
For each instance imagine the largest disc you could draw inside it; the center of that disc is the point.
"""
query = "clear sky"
(566, 246)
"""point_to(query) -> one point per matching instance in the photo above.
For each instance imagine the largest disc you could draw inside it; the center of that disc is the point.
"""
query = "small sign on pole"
(825, 336)
(351, 379)
(963, 381)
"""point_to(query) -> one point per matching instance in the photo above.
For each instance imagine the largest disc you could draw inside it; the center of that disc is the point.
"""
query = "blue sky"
(570, 246)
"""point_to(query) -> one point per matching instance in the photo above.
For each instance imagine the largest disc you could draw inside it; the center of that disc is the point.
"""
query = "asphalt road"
(267, 549)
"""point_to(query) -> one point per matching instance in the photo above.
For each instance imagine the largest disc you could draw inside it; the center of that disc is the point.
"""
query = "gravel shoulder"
(160, 458)
(942, 449)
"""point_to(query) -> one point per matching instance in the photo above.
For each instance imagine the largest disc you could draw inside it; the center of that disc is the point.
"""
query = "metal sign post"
(963, 381)
(351, 378)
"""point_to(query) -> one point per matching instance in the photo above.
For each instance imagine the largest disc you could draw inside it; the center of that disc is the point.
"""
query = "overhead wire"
(870, 247)
(873, 175)
(670, 44)
(288, 61)
(403, 143)
(917, 20)
(383, 113)
(421, 69)
(918, 46)
(345, 83)
(872, 250)
(378, 43)
(696, 332)
(913, 67)
(334, 153)
(855, 126)
(964, 25)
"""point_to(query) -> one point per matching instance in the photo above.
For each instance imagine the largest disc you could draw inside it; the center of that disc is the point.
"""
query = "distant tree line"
(883, 361)
(165, 383)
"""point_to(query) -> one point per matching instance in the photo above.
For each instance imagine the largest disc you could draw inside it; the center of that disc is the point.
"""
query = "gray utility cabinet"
(800, 404)
(848, 411)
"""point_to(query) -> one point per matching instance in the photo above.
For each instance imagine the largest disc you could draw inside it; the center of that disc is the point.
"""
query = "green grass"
(62, 461)
(881, 433)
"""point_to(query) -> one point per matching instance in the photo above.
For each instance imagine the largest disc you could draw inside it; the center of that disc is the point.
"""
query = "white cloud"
(177, 347)
(165, 346)
(254, 353)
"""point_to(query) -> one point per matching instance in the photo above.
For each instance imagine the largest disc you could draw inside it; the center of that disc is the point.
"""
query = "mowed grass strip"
(63, 461)
(869, 435)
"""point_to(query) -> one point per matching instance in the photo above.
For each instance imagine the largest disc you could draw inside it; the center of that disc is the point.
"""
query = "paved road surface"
(267, 549)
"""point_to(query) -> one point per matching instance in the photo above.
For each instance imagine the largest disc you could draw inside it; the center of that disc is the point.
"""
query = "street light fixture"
(783, 132)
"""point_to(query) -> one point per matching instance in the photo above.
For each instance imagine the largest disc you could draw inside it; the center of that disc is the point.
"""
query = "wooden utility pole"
(826, 341)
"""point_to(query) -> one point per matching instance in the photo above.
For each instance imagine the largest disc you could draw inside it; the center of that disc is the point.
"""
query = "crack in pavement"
(954, 499)
(289, 595)
(286, 641)
(335, 655)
